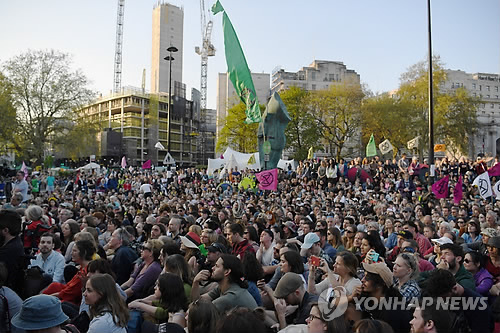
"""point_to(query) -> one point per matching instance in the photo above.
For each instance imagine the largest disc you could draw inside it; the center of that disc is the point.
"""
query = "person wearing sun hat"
(41, 313)
(480, 246)
(378, 282)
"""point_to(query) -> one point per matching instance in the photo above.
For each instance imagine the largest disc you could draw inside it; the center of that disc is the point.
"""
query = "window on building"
(313, 75)
(496, 88)
(480, 87)
(473, 86)
(487, 88)
(487, 96)
(492, 105)
(313, 87)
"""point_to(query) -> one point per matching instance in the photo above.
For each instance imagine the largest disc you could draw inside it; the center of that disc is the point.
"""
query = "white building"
(319, 75)
(168, 25)
(227, 97)
(486, 87)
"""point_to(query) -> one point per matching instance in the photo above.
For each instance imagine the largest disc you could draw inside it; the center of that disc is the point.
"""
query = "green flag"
(237, 67)
(371, 147)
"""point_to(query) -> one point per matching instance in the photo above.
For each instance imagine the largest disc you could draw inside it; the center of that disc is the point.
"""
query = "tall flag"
(440, 188)
(413, 143)
(385, 146)
(24, 169)
(483, 183)
(458, 191)
(371, 147)
(237, 67)
(496, 189)
(147, 165)
(310, 154)
(494, 170)
(124, 162)
(268, 179)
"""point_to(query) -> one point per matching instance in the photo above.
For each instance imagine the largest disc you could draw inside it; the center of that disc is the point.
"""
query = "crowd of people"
(135, 250)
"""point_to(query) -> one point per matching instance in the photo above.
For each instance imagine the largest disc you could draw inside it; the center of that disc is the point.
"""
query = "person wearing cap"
(481, 245)
(452, 256)
(214, 252)
(378, 283)
(402, 236)
(291, 291)
(312, 247)
(41, 313)
(289, 229)
(231, 290)
(435, 257)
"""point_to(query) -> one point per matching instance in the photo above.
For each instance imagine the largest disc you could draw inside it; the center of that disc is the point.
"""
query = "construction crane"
(206, 50)
(118, 47)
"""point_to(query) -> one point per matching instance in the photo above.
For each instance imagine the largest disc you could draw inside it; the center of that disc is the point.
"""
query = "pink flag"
(494, 170)
(221, 156)
(458, 192)
(147, 165)
(124, 162)
(24, 169)
(440, 188)
(268, 179)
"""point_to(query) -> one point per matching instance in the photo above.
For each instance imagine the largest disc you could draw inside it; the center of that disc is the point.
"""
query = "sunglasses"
(467, 261)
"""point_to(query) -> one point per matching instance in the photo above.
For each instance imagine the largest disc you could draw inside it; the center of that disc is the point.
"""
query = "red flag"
(268, 179)
(494, 170)
(147, 165)
(440, 188)
(458, 192)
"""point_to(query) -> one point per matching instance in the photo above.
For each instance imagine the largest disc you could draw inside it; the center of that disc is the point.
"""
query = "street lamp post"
(431, 105)
(169, 58)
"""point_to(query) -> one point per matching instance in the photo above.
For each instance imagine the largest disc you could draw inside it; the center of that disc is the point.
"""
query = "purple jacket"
(484, 281)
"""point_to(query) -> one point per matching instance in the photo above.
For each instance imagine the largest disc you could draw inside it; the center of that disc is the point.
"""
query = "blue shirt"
(53, 265)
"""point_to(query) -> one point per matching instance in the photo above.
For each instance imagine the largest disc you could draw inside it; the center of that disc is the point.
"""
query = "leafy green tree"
(45, 93)
(8, 121)
(236, 134)
(302, 131)
(337, 114)
(404, 115)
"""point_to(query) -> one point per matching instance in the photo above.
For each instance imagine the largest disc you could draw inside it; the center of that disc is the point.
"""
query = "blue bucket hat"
(39, 312)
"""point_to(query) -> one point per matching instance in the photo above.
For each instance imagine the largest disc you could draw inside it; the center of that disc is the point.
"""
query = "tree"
(382, 116)
(7, 112)
(45, 93)
(337, 114)
(236, 134)
(404, 115)
(302, 131)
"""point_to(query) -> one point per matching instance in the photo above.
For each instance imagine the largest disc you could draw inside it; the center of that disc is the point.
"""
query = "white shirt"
(53, 265)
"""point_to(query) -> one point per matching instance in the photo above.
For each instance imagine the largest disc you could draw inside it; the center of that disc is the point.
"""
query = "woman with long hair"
(176, 264)
(334, 238)
(68, 231)
(343, 274)
(474, 263)
(251, 235)
(108, 311)
(145, 274)
(167, 304)
(348, 238)
(369, 245)
(202, 317)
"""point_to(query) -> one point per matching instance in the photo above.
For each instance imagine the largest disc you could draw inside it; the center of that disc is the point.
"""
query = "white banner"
(484, 185)
(385, 146)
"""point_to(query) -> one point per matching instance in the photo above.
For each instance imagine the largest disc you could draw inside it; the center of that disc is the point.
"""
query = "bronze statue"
(272, 129)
